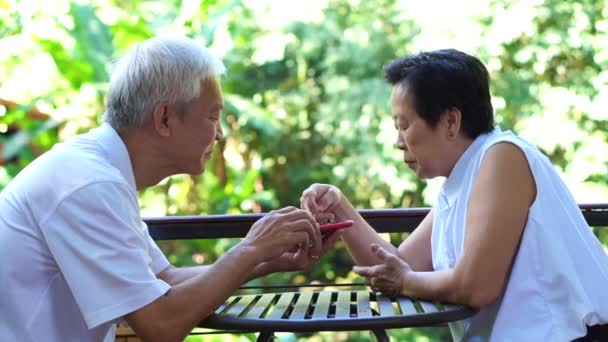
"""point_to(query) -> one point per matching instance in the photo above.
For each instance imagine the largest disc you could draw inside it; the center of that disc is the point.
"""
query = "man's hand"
(296, 259)
(284, 230)
(390, 277)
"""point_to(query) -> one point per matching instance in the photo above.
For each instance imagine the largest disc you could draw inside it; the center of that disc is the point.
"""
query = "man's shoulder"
(66, 168)
(80, 160)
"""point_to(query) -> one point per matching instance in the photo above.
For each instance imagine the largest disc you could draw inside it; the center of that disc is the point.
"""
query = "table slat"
(385, 305)
(322, 306)
(343, 304)
(428, 307)
(281, 306)
(407, 306)
(226, 304)
(363, 305)
(259, 307)
(331, 311)
(239, 306)
(301, 307)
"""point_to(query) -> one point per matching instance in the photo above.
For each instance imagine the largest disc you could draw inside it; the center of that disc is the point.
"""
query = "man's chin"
(194, 170)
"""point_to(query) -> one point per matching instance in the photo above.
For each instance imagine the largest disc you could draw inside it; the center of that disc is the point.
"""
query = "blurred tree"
(305, 99)
(550, 80)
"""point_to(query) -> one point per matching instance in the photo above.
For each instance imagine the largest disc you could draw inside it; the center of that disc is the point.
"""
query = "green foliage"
(305, 100)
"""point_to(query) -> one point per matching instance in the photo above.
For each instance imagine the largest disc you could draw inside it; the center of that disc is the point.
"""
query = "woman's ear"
(453, 119)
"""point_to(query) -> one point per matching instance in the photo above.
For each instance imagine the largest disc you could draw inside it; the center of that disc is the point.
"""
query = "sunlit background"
(305, 98)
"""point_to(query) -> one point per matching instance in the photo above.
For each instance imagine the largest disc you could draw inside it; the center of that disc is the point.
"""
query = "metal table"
(313, 311)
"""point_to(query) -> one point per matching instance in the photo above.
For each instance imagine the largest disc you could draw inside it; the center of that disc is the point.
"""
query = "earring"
(450, 134)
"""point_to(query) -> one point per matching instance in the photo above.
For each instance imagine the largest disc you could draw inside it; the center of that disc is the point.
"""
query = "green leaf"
(93, 40)
(19, 140)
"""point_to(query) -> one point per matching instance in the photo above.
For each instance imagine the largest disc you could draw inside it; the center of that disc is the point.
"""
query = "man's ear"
(160, 117)
(453, 122)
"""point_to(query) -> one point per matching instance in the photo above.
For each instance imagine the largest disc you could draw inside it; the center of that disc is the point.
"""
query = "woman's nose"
(400, 144)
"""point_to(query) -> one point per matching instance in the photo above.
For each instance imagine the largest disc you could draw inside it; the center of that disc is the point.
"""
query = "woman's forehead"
(400, 101)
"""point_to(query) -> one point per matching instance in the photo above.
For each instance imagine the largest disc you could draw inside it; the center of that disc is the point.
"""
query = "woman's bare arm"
(416, 249)
(498, 210)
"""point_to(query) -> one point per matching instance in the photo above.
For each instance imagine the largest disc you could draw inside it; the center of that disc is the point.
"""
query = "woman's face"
(425, 149)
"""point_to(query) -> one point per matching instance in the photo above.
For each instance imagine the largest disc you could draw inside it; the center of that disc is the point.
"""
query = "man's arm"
(197, 292)
(175, 275)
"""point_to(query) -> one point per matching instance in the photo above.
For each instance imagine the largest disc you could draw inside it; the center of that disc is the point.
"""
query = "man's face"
(199, 129)
(420, 143)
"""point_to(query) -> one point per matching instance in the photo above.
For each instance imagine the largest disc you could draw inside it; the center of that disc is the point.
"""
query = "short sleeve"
(103, 251)
(159, 261)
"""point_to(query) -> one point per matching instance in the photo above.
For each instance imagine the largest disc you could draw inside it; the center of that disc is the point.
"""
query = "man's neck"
(149, 165)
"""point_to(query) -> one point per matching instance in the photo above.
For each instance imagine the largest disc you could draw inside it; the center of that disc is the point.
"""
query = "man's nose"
(219, 132)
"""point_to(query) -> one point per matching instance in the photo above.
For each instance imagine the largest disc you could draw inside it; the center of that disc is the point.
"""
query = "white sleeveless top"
(559, 279)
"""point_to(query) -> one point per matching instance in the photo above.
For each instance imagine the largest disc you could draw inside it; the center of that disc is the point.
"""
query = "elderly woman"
(505, 236)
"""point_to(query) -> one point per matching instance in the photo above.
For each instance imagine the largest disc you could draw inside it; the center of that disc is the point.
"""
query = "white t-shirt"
(76, 255)
(559, 279)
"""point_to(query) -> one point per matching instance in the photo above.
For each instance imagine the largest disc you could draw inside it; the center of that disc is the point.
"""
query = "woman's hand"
(321, 200)
(389, 277)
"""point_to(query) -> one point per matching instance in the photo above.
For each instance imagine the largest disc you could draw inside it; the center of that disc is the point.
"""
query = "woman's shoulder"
(511, 143)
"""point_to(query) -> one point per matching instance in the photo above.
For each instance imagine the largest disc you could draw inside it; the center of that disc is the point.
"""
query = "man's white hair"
(161, 69)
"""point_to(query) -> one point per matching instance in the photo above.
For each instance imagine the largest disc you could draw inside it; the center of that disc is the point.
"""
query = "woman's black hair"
(443, 80)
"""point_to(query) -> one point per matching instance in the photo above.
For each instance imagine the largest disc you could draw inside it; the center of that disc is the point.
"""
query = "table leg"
(381, 335)
(266, 336)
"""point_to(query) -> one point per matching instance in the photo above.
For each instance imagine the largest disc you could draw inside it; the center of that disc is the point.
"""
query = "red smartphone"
(326, 228)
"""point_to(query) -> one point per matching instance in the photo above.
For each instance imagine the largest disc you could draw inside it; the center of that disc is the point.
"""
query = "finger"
(317, 249)
(299, 239)
(298, 214)
(316, 235)
(313, 194)
(323, 218)
(294, 249)
(389, 291)
(309, 225)
(383, 282)
(285, 210)
(308, 203)
(381, 253)
(329, 199)
(364, 271)
(298, 255)
(330, 239)
(309, 198)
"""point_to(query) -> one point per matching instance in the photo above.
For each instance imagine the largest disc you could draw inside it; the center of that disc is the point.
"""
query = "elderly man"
(76, 254)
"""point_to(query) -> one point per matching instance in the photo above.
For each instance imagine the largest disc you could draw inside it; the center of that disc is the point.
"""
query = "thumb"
(364, 271)
(381, 253)
(329, 199)
(323, 204)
